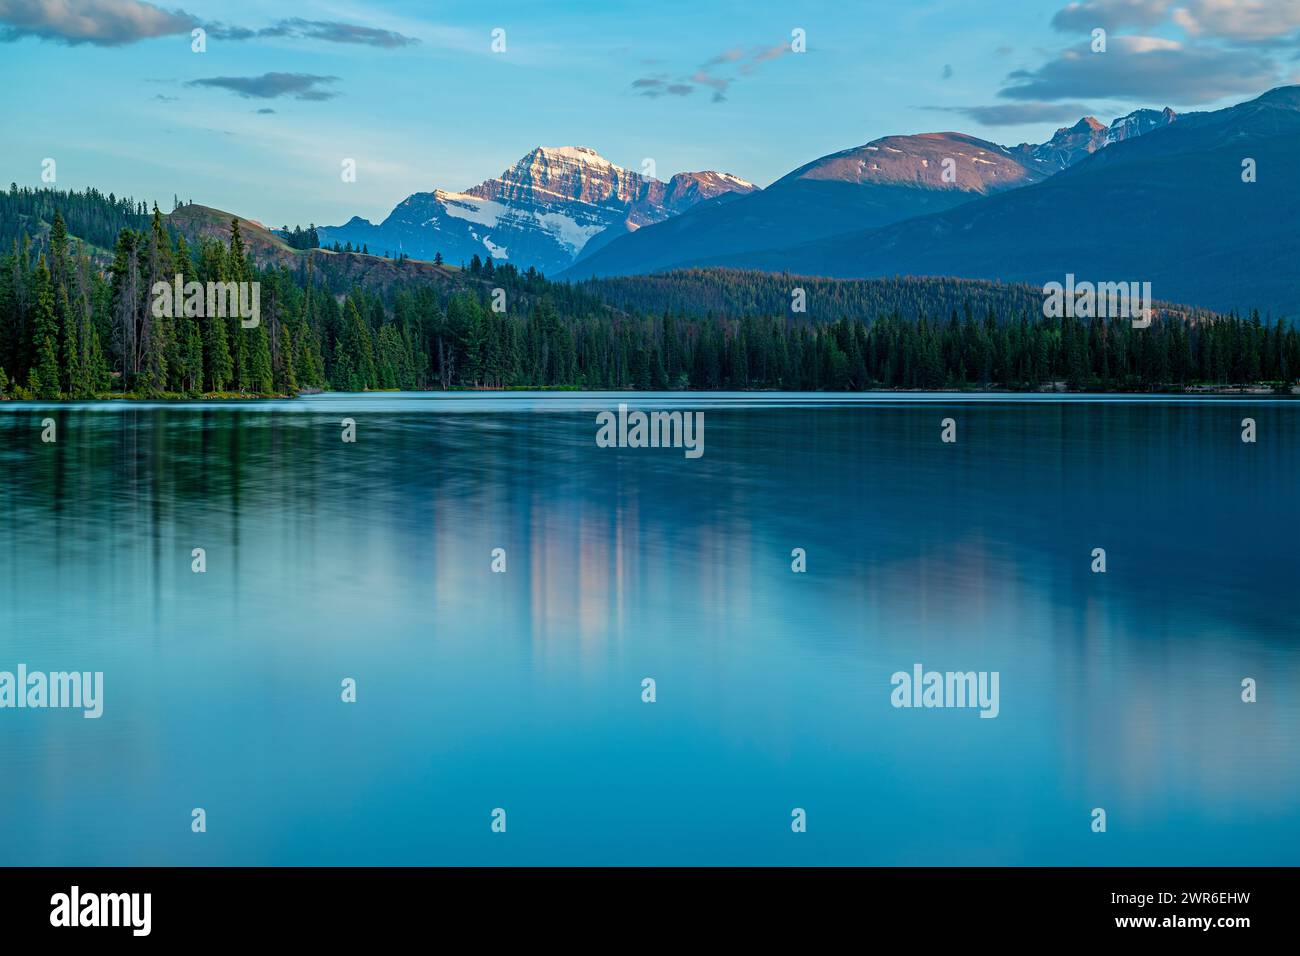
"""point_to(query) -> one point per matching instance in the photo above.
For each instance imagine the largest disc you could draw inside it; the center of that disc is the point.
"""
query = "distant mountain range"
(888, 180)
(561, 205)
(1154, 196)
(1071, 144)
(542, 211)
(1204, 209)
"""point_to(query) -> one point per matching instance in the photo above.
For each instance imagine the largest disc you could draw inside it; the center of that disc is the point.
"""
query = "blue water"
(522, 690)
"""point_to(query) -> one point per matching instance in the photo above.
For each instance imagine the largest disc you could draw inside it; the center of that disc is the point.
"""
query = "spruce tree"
(43, 380)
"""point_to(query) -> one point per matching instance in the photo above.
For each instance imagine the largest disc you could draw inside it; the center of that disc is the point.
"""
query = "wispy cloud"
(716, 74)
(268, 86)
(657, 86)
(1016, 114)
(334, 31)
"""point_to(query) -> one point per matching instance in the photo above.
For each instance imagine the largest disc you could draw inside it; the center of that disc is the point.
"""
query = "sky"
(426, 95)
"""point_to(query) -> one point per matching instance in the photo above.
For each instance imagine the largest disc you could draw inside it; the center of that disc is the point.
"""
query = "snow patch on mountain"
(570, 234)
(463, 206)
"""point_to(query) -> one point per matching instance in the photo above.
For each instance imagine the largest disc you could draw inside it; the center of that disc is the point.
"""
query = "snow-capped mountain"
(542, 211)
(1070, 144)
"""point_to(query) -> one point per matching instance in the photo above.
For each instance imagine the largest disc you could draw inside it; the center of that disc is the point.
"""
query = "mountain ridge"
(541, 211)
(1175, 207)
(889, 179)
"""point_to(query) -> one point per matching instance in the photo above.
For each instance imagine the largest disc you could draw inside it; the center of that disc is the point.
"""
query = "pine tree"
(190, 369)
(288, 364)
(237, 271)
(59, 250)
(355, 353)
(260, 377)
(43, 380)
(156, 330)
(72, 373)
(217, 362)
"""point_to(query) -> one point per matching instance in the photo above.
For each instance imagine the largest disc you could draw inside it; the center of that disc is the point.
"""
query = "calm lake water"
(478, 690)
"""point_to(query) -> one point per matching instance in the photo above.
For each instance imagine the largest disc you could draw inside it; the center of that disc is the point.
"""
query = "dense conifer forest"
(76, 321)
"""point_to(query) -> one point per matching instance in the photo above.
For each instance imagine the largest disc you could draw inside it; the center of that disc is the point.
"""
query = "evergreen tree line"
(69, 328)
(300, 238)
(470, 346)
(89, 215)
(741, 292)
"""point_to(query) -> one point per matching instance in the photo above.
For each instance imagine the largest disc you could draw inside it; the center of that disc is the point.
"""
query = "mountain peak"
(1088, 123)
(1070, 144)
(918, 160)
(542, 210)
(1284, 96)
(577, 154)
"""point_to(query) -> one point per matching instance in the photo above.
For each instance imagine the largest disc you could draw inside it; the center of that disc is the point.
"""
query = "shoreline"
(1261, 390)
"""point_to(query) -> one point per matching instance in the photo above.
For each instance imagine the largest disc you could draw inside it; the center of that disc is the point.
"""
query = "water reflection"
(522, 689)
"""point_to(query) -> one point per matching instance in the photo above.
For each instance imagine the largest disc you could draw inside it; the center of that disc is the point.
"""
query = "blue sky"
(415, 94)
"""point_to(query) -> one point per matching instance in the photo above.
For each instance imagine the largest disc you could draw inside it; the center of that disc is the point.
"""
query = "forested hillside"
(90, 215)
(735, 292)
(77, 323)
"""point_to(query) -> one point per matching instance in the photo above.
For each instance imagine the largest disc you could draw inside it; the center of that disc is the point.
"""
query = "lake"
(522, 690)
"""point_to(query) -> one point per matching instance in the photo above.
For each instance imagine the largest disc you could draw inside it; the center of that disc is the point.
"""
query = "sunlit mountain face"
(541, 212)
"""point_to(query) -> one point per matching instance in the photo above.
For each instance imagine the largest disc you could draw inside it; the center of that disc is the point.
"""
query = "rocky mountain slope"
(542, 211)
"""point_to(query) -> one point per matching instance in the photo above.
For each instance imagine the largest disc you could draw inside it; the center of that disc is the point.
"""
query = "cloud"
(1237, 20)
(221, 31)
(120, 22)
(334, 31)
(703, 77)
(1110, 14)
(1228, 48)
(657, 86)
(764, 55)
(1246, 20)
(717, 73)
(264, 111)
(1147, 68)
(730, 56)
(1016, 114)
(100, 22)
(269, 86)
